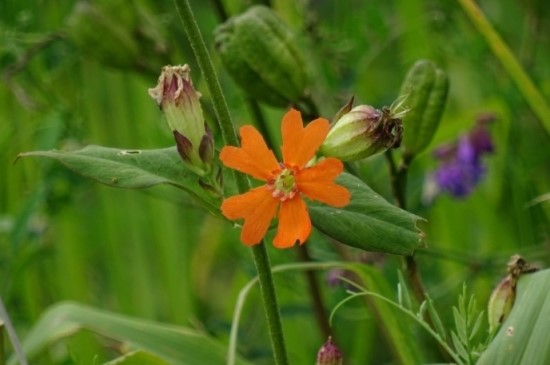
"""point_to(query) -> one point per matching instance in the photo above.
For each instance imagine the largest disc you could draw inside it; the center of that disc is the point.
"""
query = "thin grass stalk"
(510, 63)
(12, 334)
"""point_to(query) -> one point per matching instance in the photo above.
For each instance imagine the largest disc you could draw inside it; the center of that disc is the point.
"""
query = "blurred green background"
(153, 254)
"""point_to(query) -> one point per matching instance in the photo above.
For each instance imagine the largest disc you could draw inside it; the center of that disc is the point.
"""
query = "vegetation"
(96, 274)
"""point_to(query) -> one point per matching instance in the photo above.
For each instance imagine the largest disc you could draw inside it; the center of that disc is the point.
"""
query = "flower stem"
(303, 255)
(398, 176)
(315, 294)
(261, 123)
(259, 252)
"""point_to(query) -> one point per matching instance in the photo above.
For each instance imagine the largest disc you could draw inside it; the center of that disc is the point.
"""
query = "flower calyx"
(179, 101)
(364, 131)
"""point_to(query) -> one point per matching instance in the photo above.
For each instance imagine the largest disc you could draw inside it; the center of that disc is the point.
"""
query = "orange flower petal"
(253, 157)
(294, 224)
(299, 143)
(317, 183)
(257, 207)
(327, 169)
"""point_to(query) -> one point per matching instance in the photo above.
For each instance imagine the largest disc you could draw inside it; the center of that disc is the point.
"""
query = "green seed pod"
(259, 52)
(425, 89)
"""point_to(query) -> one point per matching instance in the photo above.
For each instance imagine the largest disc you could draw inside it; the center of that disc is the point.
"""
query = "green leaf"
(459, 347)
(138, 358)
(369, 222)
(523, 337)
(173, 344)
(403, 291)
(132, 169)
(476, 326)
(438, 324)
(460, 324)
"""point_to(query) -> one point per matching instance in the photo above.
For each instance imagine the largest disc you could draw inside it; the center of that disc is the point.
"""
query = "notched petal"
(257, 207)
(294, 224)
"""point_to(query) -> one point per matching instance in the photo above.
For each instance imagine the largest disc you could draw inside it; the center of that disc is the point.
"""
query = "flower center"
(283, 186)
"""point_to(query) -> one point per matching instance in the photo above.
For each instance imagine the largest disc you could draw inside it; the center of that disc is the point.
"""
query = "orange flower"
(285, 182)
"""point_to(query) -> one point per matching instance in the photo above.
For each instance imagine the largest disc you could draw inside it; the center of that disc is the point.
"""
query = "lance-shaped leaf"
(133, 169)
(369, 222)
(173, 344)
(523, 337)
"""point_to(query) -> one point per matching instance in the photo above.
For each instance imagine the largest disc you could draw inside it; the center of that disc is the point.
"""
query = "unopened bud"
(178, 99)
(362, 132)
(504, 295)
(501, 302)
(260, 53)
(329, 354)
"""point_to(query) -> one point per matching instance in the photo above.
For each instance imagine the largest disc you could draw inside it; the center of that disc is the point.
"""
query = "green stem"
(315, 293)
(259, 252)
(308, 109)
(261, 123)
(2, 349)
(398, 176)
(220, 10)
(509, 62)
(16, 344)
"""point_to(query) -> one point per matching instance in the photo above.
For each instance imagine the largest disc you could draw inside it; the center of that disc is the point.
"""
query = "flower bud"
(178, 99)
(504, 295)
(501, 301)
(329, 354)
(362, 132)
(259, 52)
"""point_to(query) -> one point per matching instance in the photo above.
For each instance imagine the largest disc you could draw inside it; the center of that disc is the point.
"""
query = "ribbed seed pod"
(259, 52)
(425, 88)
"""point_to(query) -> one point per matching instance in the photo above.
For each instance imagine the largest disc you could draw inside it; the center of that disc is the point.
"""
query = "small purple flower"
(461, 166)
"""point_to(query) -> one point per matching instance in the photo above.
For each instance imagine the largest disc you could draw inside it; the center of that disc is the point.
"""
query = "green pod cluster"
(259, 52)
(425, 88)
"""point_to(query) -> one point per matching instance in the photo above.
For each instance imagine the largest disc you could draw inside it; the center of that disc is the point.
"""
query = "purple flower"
(461, 166)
